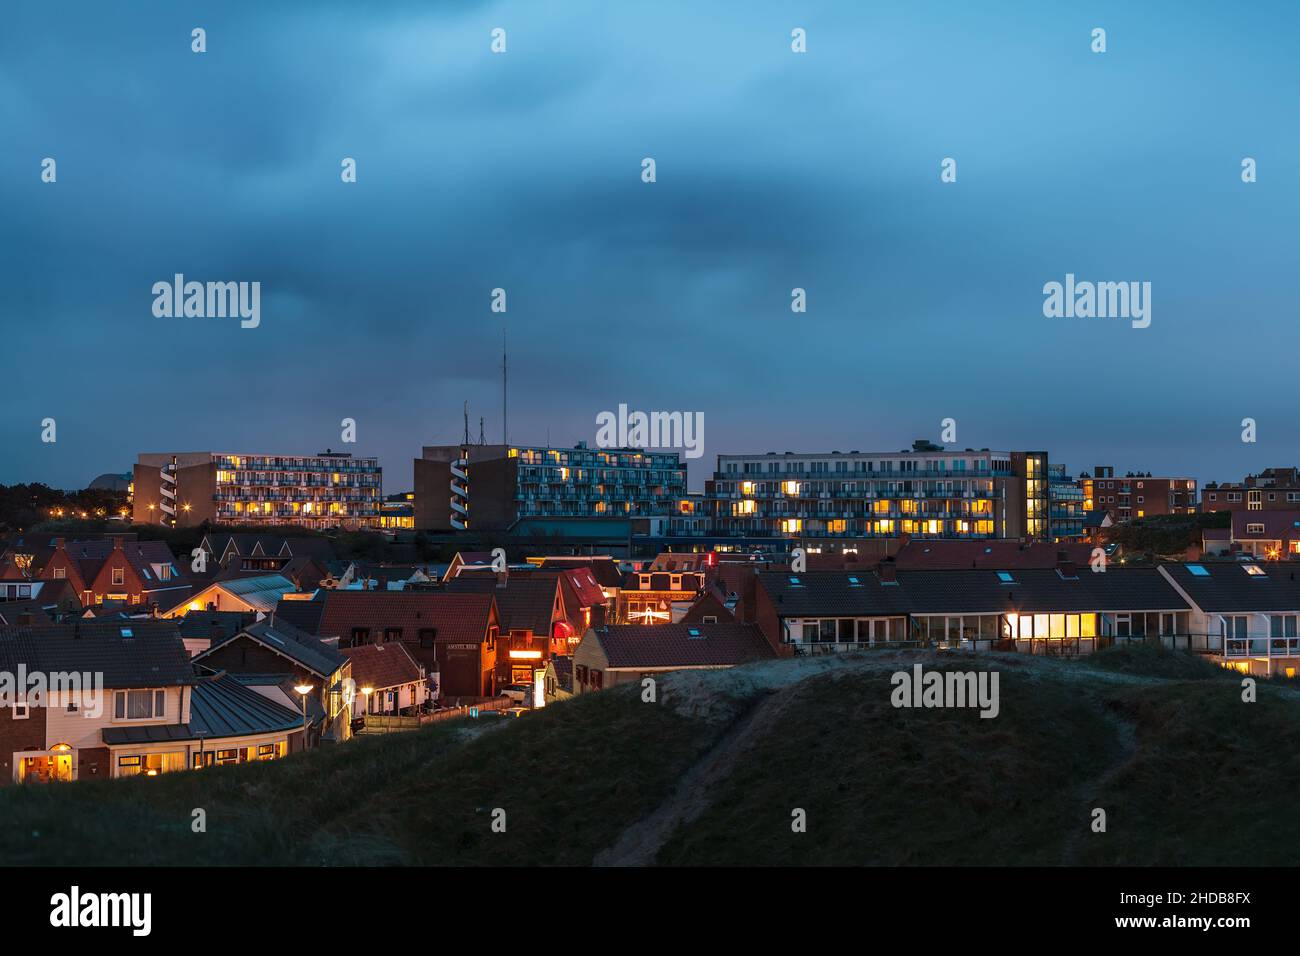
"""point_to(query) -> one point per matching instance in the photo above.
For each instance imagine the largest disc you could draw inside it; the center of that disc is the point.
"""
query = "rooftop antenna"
(466, 440)
(482, 439)
(505, 420)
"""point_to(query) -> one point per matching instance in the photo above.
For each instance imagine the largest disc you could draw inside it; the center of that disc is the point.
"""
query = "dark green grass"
(1216, 781)
(1154, 660)
(570, 778)
(886, 786)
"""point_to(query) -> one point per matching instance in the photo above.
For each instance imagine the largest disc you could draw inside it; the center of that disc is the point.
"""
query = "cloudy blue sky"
(775, 170)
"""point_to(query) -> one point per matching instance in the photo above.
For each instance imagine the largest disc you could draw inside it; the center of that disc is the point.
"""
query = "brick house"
(453, 634)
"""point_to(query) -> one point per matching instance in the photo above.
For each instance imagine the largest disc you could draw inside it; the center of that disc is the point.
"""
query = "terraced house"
(1061, 610)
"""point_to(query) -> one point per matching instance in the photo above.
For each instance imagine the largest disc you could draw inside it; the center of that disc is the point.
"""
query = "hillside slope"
(714, 771)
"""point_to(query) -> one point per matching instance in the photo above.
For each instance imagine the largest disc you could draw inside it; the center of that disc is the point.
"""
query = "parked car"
(516, 692)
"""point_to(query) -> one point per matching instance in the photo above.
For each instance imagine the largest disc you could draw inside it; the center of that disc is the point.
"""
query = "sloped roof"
(525, 603)
(458, 617)
(262, 592)
(990, 554)
(214, 625)
(834, 594)
(1040, 590)
(1277, 525)
(563, 665)
(129, 653)
(220, 707)
(681, 645)
(302, 647)
(1229, 587)
(383, 665)
(304, 615)
(604, 569)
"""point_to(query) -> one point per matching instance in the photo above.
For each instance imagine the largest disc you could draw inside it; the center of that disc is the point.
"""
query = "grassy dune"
(1186, 772)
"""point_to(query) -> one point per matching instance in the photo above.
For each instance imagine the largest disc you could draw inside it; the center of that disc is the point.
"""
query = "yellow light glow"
(525, 655)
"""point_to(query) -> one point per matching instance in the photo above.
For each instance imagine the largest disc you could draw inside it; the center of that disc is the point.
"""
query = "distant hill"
(712, 772)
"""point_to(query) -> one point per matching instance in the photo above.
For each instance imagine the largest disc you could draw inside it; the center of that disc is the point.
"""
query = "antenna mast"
(505, 420)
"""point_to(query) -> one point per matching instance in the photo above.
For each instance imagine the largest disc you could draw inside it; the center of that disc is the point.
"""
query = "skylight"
(1006, 578)
(694, 632)
(1198, 571)
(854, 582)
(127, 633)
(1255, 571)
(794, 582)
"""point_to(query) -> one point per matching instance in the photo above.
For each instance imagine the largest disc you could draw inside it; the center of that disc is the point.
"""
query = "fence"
(456, 713)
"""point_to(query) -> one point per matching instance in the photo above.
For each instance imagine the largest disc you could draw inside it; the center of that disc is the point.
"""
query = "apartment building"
(1136, 496)
(1273, 489)
(327, 490)
(490, 487)
(927, 491)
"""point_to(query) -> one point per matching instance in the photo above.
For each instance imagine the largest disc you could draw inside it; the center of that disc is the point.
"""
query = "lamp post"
(304, 690)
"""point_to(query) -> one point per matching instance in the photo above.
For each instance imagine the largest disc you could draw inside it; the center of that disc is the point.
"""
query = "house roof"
(129, 653)
(834, 593)
(990, 554)
(304, 615)
(220, 707)
(1227, 587)
(1040, 590)
(681, 645)
(261, 593)
(383, 665)
(526, 602)
(604, 569)
(458, 617)
(1272, 525)
(563, 666)
(298, 645)
(213, 625)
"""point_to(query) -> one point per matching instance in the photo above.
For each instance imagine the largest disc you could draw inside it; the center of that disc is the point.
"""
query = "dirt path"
(1089, 792)
(640, 843)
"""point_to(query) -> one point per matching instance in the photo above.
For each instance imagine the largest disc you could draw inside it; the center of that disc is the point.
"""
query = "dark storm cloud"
(522, 171)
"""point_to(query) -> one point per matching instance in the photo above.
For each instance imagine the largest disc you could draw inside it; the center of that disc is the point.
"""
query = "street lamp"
(304, 690)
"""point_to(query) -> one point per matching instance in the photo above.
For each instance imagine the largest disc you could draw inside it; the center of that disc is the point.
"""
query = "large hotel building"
(925, 492)
(490, 487)
(325, 490)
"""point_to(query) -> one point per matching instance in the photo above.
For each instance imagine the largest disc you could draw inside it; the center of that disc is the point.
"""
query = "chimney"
(58, 544)
(383, 582)
(117, 542)
(503, 578)
(25, 619)
(887, 571)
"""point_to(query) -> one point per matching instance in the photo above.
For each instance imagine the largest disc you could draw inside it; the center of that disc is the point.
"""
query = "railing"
(1238, 647)
(1064, 646)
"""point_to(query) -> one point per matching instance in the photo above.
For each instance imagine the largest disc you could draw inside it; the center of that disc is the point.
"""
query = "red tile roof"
(681, 645)
(383, 665)
(460, 618)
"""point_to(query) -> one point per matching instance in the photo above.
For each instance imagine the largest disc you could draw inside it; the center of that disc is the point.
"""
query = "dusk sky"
(775, 170)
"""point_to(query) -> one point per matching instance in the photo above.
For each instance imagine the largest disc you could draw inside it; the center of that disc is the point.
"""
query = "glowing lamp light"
(303, 689)
(526, 655)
